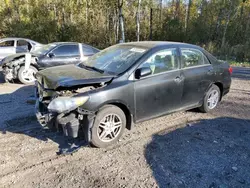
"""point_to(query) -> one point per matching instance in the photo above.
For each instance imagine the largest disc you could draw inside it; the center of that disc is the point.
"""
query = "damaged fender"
(12, 64)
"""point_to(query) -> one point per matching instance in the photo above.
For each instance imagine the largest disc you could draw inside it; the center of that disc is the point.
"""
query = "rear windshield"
(211, 58)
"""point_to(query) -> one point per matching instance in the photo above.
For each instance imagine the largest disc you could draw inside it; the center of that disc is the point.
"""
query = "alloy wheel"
(109, 127)
(28, 75)
(213, 99)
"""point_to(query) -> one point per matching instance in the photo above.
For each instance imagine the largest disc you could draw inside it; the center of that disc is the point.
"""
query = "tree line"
(220, 26)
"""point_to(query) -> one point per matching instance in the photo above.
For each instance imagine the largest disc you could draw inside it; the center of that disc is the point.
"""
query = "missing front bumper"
(70, 125)
(68, 122)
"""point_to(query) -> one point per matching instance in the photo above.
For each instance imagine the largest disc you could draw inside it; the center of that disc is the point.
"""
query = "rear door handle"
(178, 79)
(210, 72)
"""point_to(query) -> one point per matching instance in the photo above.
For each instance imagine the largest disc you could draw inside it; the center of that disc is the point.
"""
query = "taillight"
(230, 69)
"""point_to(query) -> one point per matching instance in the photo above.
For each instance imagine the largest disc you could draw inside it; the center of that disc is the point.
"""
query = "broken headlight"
(66, 104)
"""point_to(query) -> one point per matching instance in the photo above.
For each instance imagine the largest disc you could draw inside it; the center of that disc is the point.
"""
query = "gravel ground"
(185, 149)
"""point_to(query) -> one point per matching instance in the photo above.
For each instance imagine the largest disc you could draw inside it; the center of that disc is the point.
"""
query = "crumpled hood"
(12, 57)
(16, 56)
(68, 76)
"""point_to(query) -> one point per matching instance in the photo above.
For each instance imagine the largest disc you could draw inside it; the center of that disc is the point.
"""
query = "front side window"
(44, 49)
(192, 58)
(67, 50)
(162, 61)
(23, 46)
(8, 43)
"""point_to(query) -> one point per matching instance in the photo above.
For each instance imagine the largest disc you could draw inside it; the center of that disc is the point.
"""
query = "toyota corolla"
(126, 84)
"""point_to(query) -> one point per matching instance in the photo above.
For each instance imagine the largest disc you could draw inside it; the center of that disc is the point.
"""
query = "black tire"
(96, 130)
(22, 79)
(205, 108)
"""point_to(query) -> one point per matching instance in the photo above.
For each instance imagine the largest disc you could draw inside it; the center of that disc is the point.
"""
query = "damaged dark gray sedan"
(128, 83)
(23, 66)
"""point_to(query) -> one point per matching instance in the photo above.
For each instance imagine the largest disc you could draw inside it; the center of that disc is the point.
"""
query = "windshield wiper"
(93, 68)
(96, 69)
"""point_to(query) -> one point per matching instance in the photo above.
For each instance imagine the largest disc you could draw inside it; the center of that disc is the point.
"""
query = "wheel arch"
(125, 109)
(32, 64)
(220, 86)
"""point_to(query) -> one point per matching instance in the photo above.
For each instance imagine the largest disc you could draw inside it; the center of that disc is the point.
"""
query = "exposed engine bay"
(70, 118)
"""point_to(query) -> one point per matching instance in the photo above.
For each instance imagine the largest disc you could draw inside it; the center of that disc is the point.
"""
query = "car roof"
(61, 43)
(18, 38)
(152, 44)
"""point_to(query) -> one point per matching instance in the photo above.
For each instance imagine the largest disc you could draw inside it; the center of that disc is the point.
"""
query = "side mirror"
(51, 55)
(142, 72)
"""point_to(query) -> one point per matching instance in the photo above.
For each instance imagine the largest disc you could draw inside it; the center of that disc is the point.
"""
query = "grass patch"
(239, 64)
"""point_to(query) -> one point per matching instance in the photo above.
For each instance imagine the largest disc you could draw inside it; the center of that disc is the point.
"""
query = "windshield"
(115, 59)
(44, 49)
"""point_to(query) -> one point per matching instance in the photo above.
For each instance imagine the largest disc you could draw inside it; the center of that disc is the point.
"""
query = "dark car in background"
(129, 83)
(10, 46)
(23, 66)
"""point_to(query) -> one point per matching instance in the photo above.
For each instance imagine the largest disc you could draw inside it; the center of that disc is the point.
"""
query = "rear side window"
(87, 50)
(67, 50)
(23, 46)
(8, 43)
(206, 61)
(95, 50)
(22, 43)
(192, 58)
(162, 61)
(211, 58)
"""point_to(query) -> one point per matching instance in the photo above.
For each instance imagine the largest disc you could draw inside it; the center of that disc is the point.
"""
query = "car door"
(198, 73)
(62, 55)
(160, 92)
(7, 48)
(23, 46)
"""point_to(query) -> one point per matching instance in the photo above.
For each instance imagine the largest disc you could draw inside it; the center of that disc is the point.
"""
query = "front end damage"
(11, 66)
(63, 98)
(61, 109)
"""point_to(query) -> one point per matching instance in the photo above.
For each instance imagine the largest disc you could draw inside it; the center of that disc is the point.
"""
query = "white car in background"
(10, 46)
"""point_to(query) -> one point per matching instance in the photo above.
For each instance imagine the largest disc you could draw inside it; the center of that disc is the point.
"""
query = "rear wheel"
(27, 76)
(108, 126)
(211, 99)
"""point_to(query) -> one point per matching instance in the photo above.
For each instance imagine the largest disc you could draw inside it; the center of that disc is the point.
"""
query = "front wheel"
(211, 99)
(108, 126)
(27, 77)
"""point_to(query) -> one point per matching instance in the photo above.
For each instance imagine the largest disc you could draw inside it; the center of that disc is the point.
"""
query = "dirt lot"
(186, 149)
